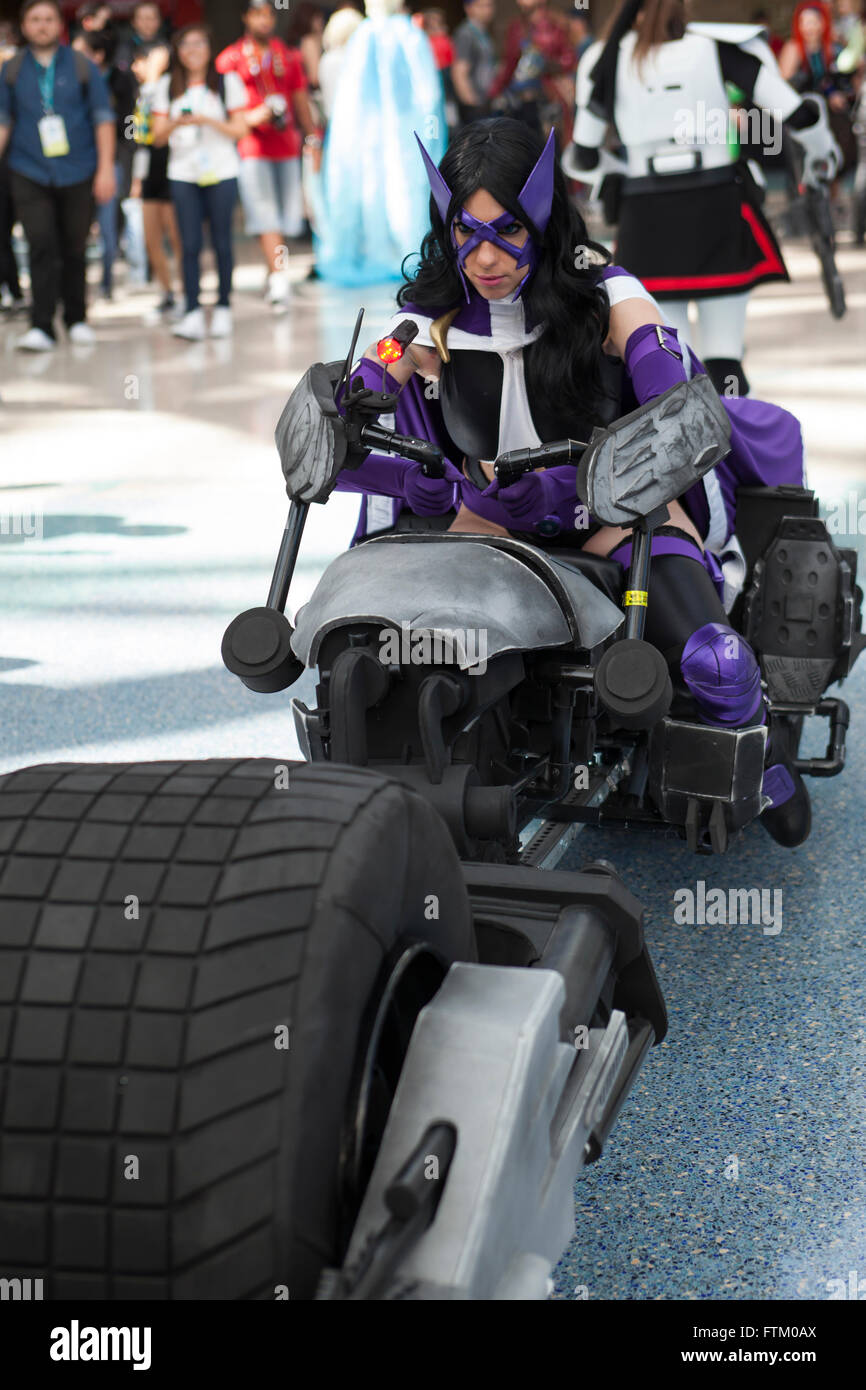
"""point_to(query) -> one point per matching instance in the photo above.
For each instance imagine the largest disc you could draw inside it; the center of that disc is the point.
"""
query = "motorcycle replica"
(351, 1027)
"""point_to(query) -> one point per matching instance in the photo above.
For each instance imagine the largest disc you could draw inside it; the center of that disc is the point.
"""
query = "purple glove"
(535, 496)
(654, 360)
(428, 496)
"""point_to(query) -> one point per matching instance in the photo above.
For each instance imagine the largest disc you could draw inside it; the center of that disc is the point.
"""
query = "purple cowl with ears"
(535, 199)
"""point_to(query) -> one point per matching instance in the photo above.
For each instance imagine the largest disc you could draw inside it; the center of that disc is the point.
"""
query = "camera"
(278, 106)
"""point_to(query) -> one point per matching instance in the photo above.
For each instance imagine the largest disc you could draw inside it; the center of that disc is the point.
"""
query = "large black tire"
(155, 1039)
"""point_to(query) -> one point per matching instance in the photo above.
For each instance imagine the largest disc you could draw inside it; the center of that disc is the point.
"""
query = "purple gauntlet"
(395, 477)
(654, 360)
(547, 495)
(428, 496)
(537, 496)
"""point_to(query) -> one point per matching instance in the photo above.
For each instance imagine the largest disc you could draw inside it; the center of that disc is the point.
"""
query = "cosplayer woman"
(527, 335)
(690, 220)
(371, 199)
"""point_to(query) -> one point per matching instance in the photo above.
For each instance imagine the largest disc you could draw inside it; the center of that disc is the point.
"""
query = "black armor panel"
(566, 423)
(470, 394)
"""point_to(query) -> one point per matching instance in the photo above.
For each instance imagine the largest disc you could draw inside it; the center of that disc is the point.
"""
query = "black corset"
(470, 394)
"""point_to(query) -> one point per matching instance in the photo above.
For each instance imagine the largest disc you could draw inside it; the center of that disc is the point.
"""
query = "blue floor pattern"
(736, 1167)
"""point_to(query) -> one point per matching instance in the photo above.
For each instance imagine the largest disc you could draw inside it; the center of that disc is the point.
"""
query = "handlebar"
(510, 468)
(361, 406)
(418, 450)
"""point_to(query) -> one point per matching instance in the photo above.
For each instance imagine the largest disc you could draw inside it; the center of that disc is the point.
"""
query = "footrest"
(706, 780)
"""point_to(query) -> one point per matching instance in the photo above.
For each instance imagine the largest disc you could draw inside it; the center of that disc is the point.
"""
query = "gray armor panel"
(312, 447)
(524, 600)
(655, 454)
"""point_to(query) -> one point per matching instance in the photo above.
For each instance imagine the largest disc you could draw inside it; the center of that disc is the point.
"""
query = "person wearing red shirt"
(538, 67)
(278, 112)
(435, 26)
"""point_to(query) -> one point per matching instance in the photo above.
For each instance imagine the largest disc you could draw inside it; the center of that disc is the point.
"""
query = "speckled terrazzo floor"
(160, 517)
(762, 1075)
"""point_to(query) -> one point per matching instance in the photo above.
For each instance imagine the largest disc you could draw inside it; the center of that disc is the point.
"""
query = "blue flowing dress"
(374, 206)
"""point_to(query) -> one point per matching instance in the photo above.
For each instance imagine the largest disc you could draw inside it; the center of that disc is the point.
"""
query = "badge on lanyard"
(52, 134)
(52, 128)
(205, 171)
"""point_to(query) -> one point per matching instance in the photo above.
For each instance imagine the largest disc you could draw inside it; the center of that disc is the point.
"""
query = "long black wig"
(563, 293)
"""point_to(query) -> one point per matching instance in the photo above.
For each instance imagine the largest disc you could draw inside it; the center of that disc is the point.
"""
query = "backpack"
(12, 68)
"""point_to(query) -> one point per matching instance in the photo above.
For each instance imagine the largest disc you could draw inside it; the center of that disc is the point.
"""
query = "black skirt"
(696, 235)
(154, 186)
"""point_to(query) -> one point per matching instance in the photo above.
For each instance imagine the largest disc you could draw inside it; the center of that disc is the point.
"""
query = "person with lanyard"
(199, 114)
(278, 110)
(11, 296)
(146, 28)
(474, 66)
(690, 220)
(57, 120)
(150, 185)
(99, 46)
(536, 80)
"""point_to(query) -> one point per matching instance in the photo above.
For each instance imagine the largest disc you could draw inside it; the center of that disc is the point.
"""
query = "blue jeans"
(194, 204)
(106, 218)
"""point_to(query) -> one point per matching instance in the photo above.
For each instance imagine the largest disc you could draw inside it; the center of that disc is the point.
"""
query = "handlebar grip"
(406, 446)
(509, 468)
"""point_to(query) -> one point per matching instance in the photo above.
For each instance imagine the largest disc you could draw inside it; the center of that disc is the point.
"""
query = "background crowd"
(129, 138)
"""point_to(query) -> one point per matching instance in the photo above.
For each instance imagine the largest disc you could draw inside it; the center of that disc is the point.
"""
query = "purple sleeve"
(654, 361)
(766, 442)
(380, 473)
(766, 449)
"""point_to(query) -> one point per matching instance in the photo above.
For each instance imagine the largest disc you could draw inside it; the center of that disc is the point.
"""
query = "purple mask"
(535, 198)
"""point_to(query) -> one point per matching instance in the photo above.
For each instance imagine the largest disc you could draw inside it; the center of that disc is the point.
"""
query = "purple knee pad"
(722, 674)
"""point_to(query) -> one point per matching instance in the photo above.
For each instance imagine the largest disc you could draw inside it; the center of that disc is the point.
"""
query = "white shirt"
(330, 64)
(200, 154)
(508, 337)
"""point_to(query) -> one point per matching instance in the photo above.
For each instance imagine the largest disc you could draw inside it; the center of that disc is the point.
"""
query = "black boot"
(790, 820)
(725, 371)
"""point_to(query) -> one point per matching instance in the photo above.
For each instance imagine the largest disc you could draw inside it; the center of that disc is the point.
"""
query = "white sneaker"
(36, 341)
(82, 334)
(279, 288)
(191, 326)
(221, 322)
